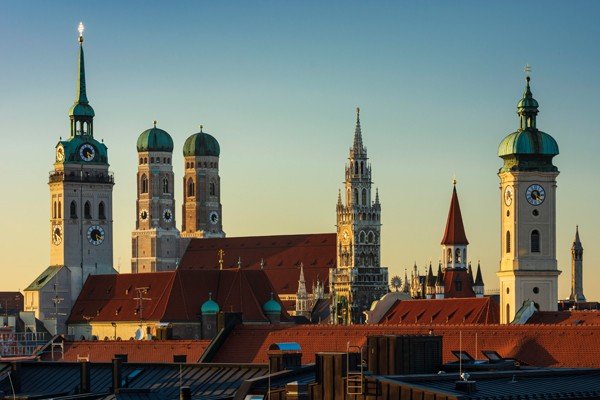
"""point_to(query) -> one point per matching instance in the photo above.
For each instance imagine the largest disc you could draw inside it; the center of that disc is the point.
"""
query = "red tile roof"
(173, 296)
(282, 256)
(539, 345)
(153, 351)
(481, 310)
(450, 285)
(565, 317)
(455, 231)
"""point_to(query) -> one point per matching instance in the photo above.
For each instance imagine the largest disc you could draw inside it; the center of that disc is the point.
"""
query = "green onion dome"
(210, 307)
(201, 144)
(154, 139)
(272, 307)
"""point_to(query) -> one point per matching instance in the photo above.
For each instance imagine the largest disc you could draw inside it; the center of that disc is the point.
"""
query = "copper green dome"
(210, 307)
(201, 144)
(528, 148)
(155, 139)
(272, 307)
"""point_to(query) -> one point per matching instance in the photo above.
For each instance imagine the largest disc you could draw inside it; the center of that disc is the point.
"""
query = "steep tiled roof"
(565, 317)
(280, 255)
(143, 351)
(443, 311)
(451, 279)
(172, 296)
(455, 231)
(539, 345)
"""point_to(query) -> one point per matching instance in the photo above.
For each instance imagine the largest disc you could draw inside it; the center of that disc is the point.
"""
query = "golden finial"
(221, 254)
(527, 71)
(200, 127)
(454, 180)
(155, 123)
(80, 29)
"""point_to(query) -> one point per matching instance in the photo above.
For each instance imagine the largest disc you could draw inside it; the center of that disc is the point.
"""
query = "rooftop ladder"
(354, 377)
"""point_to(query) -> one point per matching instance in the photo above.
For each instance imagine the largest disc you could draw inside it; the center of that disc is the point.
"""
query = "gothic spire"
(455, 231)
(479, 277)
(358, 147)
(440, 277)
(577, 243)
(81, 113)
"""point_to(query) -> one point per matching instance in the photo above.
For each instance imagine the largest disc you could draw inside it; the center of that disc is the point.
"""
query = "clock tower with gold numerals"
(81, 225)
(528, 266)
(358, 279)
(155, 241)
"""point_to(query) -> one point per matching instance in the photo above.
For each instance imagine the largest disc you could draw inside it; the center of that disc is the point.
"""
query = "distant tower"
(202, 210)
(454, 243)
(528, 266)
(81, 224)
(155, 241)
(439, 284)
(208, 312)
(302, 303)
(478, 285)
(577, 269)
(359, 278)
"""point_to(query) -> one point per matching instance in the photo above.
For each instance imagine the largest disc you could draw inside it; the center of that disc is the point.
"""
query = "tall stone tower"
(358, 279)
(155, 241)
(81, 225)
(577, 269)
(202, 210)
(528, 266)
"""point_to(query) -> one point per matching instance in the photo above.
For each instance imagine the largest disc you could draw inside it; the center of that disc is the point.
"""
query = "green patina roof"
(209, 307)
(271, 306)
(201, 144)
(528, 142)
(44, 278)
(154, 139)
(81, 107)
(74, 143)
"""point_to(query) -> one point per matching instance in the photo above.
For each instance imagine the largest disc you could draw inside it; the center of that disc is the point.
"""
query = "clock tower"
(202, 210)
(358, 279)
(155, 241)
(528, 266)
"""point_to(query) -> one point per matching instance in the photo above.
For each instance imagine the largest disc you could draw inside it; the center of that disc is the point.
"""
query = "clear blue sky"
(277, 84)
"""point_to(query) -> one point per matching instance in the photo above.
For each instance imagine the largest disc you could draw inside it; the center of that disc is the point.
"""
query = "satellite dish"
(139, 334)
(396, 282)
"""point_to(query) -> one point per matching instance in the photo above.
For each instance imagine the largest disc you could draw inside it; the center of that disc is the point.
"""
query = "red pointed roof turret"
(455, 231)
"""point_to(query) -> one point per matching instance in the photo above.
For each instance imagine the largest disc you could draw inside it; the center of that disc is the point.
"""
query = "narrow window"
(362, 168)
(59, 209)
(356, 167)
(508, 313)
(355, 196)
(54, 211)
(87, 212)
(449, 256)
(101, 213)
(144, 184)
(73, 210)
(458, 258)
(141, 160)
(191, 191)
(165, 185)
(508, 241)
(535, 242)
(364, 197)
(212, 189)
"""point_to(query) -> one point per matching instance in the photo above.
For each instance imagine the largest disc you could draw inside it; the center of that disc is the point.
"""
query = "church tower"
(81, 225)
(528, 266)
(454, 242)
(577, 269)
(202, 210)
(155, 241)
(358, 279)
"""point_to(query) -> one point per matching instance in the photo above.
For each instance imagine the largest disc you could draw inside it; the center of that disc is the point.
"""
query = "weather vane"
(221, 254)
(80, 29)
(527, 71)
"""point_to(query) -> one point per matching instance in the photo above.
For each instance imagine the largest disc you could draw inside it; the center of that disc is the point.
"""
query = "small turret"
(209, 311)
(478, 286)
(430, 289)
(439, 283)
(577, 269)
(272, 310)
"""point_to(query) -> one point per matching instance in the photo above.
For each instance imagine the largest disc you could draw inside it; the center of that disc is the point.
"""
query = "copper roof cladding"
(140, 351)
(556, 346)
(481, 310)
(173, 296)
(282, 256)
(455, 231)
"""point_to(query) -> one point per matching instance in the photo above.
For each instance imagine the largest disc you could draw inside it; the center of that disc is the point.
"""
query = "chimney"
(117, 375)
(84, 377)
(185, 393)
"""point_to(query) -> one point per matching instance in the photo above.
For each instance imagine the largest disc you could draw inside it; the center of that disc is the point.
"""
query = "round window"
(536, 290)
(535, 213)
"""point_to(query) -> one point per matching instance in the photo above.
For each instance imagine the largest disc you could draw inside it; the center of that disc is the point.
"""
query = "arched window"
(101, 213)
(508, 241)
(87, 210)
(356, 167)
(362, 168)
(364, 197)
(151, 160)
(54, 211)
(165, 185)
(191, 190)
(141, 160)
(508, 313)
(59, 209)
(212, 189)
(458, 258)
(145, 160)
(535, 241)
(144, 184)
(355, 196)
(73, 209)
(371, 238)
(449, 256)
(361, 237)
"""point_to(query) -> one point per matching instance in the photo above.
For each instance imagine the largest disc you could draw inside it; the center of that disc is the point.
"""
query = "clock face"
(214, 217)
(57, 234)
(508, 195)
(167, 215)
(87, 152)
(95, 235)
(345, 236)
(535, 194)
(60, 153)
(144, 214)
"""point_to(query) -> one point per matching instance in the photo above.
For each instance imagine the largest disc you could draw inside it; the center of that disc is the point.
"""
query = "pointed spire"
(478, 278)
(358, 144)
(81, 112)
(376, 195)
(455, 231)
(339, 202)
(528, 106)
(577, 243)
(440, 277)
(81, 93)
(430, 277)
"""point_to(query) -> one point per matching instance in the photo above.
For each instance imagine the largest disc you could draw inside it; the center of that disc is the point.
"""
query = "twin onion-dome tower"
(156, 244)
(528, 266)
